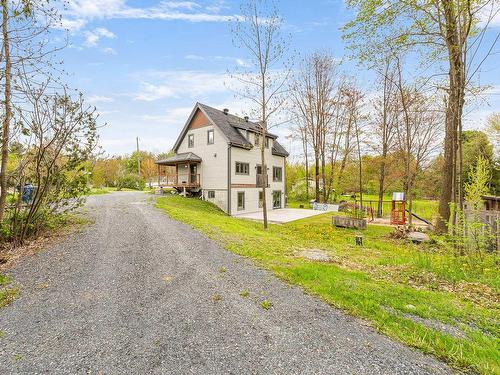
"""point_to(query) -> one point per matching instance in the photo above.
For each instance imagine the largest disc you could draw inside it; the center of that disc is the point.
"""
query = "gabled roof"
(278, 149)
(180, 158)
(229, 125)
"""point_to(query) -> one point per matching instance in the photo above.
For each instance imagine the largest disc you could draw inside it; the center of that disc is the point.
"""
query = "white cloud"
(176, 116)
(100, 99)
(92, 37)
(80, 11)
(194, 57)
(109, 51)
(491, 15)
(169, 84)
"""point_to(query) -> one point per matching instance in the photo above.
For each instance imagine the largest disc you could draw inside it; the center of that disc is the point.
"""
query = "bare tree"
(452, 31)
(313, 94)
(258, 32)
(355, 119)
(384, 124)
(417, 130)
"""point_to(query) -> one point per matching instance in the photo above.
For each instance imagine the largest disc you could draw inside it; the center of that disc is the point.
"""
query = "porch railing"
(183, 179)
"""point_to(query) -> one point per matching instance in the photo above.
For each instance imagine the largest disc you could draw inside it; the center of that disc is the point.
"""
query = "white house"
(217, 157)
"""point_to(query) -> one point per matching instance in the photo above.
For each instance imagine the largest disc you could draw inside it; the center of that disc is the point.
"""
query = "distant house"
(217, 157)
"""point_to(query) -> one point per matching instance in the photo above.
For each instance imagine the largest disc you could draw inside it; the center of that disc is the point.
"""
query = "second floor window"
(242, 168)
(191, 140)
(257, 140)
(277, 174)
(210, 137)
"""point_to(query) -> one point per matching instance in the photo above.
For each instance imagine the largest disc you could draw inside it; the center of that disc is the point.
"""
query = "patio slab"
(280, 216)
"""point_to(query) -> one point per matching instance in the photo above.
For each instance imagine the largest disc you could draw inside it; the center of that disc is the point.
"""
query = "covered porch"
(181, 171)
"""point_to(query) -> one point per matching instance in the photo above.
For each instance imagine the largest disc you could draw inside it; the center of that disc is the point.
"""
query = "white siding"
(213, 168)
(253, 157)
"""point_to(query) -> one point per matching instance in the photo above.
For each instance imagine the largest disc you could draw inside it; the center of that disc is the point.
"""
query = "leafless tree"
(418, 130)
(313, 99)
(258, 32)
(384, 123)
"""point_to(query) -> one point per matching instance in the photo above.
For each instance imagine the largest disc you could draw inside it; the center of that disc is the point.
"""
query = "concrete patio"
(282, 215)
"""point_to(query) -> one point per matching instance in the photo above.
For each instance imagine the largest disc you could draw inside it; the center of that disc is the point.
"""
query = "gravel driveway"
(139, 293)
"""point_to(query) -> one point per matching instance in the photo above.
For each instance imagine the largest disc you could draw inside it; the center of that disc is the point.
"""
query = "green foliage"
(471, 235)
(130, 181)
(54, 155)
(476, 145)
(383, 282)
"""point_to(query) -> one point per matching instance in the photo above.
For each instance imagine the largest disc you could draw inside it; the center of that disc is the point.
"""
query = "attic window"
(191, 140)
(210, 137)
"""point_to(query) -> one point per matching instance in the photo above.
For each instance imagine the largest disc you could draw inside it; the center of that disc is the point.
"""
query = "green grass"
(107, 190)
(428, 209)
(7, 292)
(380, 282)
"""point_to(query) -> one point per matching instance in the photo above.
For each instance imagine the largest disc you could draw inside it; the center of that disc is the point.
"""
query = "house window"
(257, 140)
(211, 194)
(261, 201)
(210, 137)
(241, 200)
(242, 168)
(277, 174)
(191, 140)
(267, 142)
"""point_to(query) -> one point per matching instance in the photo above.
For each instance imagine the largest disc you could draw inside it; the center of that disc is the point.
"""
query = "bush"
(130, 181)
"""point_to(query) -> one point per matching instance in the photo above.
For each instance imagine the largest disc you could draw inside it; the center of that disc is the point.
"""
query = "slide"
(419, 218)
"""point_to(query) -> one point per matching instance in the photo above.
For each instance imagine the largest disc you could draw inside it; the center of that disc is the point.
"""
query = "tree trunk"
(307, 170)
(381, 180)
(8, 110)
(316, 177)
(453, 114)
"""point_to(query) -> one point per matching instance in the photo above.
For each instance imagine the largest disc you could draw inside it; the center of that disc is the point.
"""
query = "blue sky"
(144, 64)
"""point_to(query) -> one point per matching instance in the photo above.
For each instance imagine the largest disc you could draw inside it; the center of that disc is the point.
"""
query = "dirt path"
(139, 293)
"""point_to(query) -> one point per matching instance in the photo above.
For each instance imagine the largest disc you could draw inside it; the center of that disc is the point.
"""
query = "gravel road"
(139, 293)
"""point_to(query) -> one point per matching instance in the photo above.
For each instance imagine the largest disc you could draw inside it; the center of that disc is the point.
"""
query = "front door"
(194, 174)
(277, 199)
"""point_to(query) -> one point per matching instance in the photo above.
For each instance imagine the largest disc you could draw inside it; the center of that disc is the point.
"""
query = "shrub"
(130, 181)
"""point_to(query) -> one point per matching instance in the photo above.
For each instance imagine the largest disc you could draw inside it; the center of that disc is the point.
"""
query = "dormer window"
(267, 142)
(191, 140)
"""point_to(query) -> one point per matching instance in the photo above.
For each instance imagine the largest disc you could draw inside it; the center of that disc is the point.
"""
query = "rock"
(418, 237)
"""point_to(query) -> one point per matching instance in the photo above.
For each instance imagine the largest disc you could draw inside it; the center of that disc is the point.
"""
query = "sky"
(144, 64)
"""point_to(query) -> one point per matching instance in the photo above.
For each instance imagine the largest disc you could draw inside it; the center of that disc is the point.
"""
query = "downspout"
(229, 179)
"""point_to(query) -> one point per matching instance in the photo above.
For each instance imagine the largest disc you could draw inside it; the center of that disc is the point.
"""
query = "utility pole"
(138, 158)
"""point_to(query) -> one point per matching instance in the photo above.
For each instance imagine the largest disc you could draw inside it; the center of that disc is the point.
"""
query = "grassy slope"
(380, 282)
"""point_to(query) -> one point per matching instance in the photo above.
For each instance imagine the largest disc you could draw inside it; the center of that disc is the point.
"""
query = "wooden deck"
(180, 181)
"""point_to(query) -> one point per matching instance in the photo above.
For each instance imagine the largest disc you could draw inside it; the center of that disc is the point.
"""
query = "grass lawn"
(405, 291)
(425, 208)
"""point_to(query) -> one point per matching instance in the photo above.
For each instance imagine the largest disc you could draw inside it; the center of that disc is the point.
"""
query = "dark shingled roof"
(180, 158)
(229, 125)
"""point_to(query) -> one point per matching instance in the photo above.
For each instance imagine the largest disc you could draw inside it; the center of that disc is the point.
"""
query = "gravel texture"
(139, 293)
